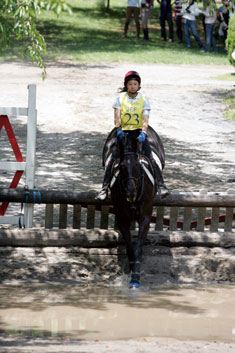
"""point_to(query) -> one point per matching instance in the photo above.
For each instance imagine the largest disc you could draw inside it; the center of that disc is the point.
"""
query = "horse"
(132, 192)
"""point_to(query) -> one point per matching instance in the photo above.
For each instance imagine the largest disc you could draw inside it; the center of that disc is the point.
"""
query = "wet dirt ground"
(56, 318)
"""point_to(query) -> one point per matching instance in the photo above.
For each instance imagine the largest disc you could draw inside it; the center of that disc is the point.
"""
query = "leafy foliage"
(231, 39)
(18, 22)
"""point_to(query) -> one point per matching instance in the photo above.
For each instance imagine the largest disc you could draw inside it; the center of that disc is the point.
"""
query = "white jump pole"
(31, 151)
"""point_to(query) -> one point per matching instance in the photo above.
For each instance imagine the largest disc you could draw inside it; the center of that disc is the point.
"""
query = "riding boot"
(104, 191)
(146, 37)
(147, 34)
(162, 189)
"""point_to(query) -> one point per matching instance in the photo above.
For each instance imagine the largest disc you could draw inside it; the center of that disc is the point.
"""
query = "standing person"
(210, 19)
(131, 115)
(225, 13)
(133, 7)
(189, 12)
(178, 19)
(146, 7)
(166, 15)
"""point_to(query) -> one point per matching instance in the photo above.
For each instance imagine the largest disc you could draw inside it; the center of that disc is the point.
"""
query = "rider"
(131, 115)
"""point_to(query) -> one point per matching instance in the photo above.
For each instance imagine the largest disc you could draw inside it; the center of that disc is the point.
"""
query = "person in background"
(225, 13)
(178, 19)
(166, 15)
(146, 7)
(189, 12)
(133, 7)
(210, 19)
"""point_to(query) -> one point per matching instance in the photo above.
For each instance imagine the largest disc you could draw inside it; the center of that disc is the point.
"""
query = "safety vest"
(131, 112)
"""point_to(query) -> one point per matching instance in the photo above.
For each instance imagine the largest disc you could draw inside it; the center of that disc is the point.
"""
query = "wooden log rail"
(193, 208)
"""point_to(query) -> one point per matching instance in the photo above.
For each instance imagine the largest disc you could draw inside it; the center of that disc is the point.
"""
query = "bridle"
(135, 179)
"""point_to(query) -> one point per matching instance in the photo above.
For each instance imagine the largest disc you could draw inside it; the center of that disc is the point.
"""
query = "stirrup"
(163, 191)
(102, 195)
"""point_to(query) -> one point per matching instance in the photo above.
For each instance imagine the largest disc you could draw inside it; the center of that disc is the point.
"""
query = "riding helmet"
(130, 75)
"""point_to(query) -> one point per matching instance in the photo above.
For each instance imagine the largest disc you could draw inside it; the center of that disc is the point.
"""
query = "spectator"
(189, 12)
(145, 14)
(178, 19)
(225, 13)
(166, 15)
(210, 19)
(133, 7)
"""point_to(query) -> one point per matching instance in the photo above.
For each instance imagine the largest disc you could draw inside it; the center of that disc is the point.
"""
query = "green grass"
(230, 110)
(92, 34)
(225, 77)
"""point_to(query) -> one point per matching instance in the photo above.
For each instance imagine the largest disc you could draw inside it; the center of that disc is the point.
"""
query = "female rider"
(131, 115)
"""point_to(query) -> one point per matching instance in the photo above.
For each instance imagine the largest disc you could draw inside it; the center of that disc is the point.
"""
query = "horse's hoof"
(134, 285)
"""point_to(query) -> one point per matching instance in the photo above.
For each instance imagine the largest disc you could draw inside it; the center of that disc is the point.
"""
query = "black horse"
(132, 191)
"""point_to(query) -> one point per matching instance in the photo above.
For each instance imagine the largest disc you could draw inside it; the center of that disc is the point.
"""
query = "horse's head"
(130, 170)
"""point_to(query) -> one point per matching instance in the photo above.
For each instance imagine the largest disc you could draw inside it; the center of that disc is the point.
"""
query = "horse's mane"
(153, 138)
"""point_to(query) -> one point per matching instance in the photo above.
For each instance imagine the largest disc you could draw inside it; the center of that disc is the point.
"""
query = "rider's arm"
(145, 123)
(146, 113)
(117, 117)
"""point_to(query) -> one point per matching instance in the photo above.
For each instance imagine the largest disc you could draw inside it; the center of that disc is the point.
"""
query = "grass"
(225, 77)
(230, 110)
(91, 34)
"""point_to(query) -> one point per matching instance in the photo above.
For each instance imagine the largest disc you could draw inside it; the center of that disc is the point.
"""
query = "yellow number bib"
(131, 113)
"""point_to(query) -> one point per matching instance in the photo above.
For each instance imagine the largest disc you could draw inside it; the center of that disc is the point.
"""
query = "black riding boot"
(104, 191)
(146, 34)
(162, 189)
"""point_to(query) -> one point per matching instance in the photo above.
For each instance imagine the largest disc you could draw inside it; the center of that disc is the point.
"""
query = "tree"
(231, 40)
(18, 23)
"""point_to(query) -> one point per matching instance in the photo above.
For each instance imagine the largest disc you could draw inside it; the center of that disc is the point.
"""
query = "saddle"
(156, 146)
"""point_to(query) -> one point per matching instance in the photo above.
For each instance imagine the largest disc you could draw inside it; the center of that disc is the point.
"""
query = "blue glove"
(142, 137)
(120, 134)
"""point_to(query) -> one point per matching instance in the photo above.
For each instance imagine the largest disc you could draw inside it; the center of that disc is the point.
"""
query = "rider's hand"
(120, 134)
(142, 137)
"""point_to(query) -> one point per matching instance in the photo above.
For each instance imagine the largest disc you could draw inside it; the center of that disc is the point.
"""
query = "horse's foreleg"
(143, 230)
(124, 227)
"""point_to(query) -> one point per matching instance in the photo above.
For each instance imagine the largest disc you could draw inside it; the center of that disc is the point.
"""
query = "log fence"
(199, 211)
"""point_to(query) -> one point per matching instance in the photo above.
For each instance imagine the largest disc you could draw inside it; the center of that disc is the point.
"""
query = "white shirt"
(146, 110)
(209, 19)
(194, 11)
(133, 3)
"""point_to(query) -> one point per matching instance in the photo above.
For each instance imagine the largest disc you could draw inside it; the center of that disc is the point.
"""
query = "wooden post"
(159, 218)
(31, 151)
(49, 213)
(187, 218)
(104, 220)
(90, 216)
(77, 216)
(63, 216)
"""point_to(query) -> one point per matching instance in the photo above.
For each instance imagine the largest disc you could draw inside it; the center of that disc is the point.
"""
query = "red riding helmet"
(132, 75)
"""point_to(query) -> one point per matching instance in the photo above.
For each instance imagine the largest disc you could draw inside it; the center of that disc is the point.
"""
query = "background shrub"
(231, 39)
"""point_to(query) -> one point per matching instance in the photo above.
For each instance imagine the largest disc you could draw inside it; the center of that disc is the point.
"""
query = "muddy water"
(91, 313)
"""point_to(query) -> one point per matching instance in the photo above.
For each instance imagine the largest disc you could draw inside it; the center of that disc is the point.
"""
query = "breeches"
(145, 14)
(132, 10)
